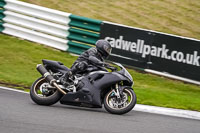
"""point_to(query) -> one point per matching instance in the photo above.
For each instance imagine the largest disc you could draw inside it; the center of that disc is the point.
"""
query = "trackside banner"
(153, 50)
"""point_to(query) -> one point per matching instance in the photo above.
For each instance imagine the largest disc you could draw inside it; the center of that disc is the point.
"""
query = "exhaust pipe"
(43, 71)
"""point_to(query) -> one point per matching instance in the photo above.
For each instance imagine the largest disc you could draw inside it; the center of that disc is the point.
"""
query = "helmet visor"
(107, 49)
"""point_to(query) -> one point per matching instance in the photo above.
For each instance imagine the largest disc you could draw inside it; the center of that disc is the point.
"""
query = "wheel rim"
(41, 89)
(113, 103)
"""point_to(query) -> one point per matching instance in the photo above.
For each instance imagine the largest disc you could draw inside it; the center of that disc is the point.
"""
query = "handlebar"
(112, 68)
(106, 65)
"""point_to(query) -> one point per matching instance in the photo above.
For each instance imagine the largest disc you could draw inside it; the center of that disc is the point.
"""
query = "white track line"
(168, 111)
(11, 89)
(149, 109)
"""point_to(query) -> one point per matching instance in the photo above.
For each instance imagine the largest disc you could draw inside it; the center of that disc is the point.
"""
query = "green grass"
(159, 91)
(180, 17)
(18, 60)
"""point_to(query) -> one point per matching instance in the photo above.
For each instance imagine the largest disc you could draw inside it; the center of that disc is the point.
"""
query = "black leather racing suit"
(87, 61)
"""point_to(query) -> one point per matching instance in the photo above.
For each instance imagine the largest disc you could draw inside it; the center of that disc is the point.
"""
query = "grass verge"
(18, 60)
(180, 17)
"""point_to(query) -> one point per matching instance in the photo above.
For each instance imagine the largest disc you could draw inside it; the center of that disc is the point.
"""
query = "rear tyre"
(43, 94)
(126, 104)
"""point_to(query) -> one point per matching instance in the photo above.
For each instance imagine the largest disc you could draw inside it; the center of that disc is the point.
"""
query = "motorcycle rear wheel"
(112, 106)
(51, 97)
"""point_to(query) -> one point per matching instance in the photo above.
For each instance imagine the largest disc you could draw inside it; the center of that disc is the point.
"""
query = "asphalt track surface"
(18, 114)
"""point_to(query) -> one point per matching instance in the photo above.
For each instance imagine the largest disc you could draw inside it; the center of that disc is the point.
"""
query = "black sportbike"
(94, 88)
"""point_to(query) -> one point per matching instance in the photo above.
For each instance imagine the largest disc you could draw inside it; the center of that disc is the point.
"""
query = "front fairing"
(123, 72)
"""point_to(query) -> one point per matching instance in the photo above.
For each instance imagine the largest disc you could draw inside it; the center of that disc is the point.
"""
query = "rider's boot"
(65, 79)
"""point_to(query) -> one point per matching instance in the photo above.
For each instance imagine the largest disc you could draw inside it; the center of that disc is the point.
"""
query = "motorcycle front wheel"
(43, 93)
(121, 105)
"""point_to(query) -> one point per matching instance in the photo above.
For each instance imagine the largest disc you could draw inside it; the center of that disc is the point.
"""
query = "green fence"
(2, 4)
(84, 33)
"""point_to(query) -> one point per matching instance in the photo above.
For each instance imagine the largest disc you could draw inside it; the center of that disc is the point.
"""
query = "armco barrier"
(2, 4)
(54, 28)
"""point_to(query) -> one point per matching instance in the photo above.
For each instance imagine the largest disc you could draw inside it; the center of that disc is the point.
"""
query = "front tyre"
(123, 105)
(43, 93)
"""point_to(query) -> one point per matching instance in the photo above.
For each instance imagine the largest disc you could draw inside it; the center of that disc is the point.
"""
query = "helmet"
(104, 48)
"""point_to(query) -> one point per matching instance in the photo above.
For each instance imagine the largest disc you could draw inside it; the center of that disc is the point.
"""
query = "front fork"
(118, 91)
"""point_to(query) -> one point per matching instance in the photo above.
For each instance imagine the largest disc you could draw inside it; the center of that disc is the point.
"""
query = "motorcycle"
(93, 89)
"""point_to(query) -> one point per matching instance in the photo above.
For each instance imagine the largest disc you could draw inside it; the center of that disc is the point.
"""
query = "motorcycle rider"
(88, 59)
